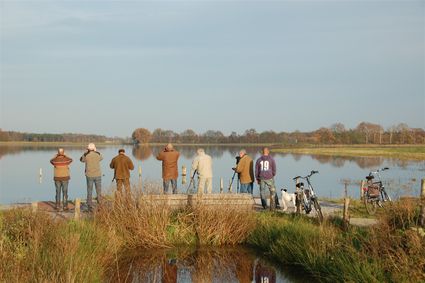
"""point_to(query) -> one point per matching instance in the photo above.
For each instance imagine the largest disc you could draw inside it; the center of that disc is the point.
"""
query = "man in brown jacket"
(169, 158)
(245, 169)
(61, 177)
(122, 165)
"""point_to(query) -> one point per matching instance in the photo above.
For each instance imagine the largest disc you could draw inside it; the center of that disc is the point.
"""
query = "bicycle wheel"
(318, 209)
(385, 196)
(307, 205)
(371, 205)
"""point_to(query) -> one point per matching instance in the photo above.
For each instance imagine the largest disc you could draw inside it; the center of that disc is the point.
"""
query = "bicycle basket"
(373, 190)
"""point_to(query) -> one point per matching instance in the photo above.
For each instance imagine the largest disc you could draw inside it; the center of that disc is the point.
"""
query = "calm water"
(20, 166)
(237, 264)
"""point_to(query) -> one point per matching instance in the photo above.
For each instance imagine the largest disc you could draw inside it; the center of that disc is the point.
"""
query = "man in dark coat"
(169, 158)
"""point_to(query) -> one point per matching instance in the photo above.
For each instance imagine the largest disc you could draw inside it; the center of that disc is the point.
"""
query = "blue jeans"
(97, 181)
(274, 201)
(166, 184)
(246, 188)
(61, 186)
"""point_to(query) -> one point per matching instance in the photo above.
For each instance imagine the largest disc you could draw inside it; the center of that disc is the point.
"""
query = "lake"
(20, 168)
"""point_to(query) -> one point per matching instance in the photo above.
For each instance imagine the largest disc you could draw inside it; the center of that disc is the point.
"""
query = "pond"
(20, 167)
(185, 265)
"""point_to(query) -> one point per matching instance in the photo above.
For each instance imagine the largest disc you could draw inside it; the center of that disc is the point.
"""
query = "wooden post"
(221, 185)
(422, 208)
(298, 198)
(184, 173)
(362, 185)
(140, 178)
(34, 206)
(346, 215)
(230, 186)
(77, 209)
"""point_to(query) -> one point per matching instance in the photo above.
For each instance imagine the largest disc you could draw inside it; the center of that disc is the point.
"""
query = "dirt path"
(328, 209)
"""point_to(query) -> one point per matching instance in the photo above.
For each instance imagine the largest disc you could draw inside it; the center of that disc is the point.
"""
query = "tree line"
(46, 137)
(364, 133)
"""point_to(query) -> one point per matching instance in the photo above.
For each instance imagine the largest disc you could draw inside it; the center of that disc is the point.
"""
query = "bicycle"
(375, 194)
(306, 197)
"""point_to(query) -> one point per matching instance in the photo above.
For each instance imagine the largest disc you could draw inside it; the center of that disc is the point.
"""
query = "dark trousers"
(61, 186)
(166, 184)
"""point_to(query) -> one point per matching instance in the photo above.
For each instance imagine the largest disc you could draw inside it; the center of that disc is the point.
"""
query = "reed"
(34, 247)
(392, 251)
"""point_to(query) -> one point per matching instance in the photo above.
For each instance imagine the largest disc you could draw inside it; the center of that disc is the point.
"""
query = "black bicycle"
(374, 193)
(306, 197)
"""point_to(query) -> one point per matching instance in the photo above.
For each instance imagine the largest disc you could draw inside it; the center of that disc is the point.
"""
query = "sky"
(109, 67)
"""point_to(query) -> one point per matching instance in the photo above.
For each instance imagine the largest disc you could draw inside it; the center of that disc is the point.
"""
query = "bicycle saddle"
(369, 177)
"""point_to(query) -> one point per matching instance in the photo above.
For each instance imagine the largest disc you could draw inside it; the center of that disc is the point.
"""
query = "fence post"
(221, 185)
(77, 209)
(362, 184)
(140, 178)
(346, 215)
(422, 208)
(184, 173)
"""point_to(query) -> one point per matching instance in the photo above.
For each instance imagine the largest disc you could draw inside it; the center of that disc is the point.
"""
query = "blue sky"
(108, 67)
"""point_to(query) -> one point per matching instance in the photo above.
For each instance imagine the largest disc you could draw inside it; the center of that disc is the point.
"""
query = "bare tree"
(141, 135)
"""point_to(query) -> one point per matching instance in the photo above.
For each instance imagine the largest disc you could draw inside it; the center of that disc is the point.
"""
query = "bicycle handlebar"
(379, 170)
(308, 176)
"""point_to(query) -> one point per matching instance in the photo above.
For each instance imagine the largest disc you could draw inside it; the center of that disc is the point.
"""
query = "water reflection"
(144, 152)
(237, 264)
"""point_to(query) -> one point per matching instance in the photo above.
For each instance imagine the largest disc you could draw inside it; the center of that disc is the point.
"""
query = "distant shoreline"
(411, 151)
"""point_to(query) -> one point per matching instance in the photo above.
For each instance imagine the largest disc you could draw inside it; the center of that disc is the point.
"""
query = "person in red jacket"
(61, 177)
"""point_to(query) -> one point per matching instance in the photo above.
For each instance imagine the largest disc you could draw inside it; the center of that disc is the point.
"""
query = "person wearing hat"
(122, 165)
(92, 160)
(169, 158)
(61, 177)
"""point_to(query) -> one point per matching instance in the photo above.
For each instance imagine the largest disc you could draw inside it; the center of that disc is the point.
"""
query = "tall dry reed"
(34, 247)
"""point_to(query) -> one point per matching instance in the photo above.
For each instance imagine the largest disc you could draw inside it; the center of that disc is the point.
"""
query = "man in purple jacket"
(265, 170)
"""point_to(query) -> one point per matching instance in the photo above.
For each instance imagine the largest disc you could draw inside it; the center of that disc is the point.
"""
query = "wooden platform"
(242, 201)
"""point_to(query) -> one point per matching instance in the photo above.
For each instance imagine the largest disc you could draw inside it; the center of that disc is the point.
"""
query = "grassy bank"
(416, 152)
(388, 252)
(36, 247)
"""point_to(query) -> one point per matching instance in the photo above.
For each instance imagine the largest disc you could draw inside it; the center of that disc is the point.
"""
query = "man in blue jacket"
(265, 170)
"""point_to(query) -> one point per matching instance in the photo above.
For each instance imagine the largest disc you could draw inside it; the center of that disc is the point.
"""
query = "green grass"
(416, 152)
(388, 252)
(36, 247)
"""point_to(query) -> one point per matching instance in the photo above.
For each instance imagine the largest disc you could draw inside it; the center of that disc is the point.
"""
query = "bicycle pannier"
(373, 190)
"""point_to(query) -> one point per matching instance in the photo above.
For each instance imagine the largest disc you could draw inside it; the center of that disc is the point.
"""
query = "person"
(169, 158)
(264, 273)
(122, 165)
(265, 171)
(245, 169)
(93, 173)
(61, 177)
(202, 164)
